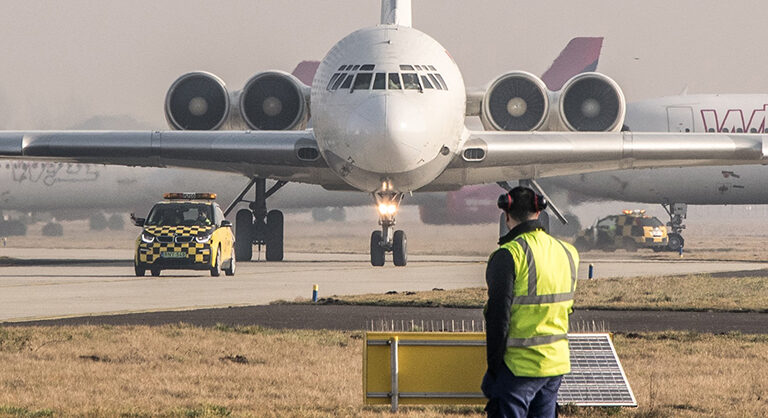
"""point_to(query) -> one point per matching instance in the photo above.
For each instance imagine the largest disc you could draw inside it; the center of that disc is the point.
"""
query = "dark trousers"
(519, 397)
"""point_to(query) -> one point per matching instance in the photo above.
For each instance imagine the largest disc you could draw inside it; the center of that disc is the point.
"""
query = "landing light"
(387, 209)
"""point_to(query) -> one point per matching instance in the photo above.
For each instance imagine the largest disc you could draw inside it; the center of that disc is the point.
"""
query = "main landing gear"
(388, 240)
(677, 213)
(256, 225)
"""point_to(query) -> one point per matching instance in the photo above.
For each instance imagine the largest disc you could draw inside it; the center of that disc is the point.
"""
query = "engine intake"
(273, 100)
(516, 101)
(197, 101)
(592, 102)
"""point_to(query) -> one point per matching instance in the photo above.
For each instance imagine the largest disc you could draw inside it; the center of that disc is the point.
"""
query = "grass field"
(194, 372)
(737, 292)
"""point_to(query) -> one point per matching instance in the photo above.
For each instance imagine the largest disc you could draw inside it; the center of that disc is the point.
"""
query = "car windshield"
(180, 214)
(652, 222)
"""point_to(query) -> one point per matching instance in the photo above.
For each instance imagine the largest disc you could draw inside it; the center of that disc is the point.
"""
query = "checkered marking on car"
(177, 230)
(200, 252)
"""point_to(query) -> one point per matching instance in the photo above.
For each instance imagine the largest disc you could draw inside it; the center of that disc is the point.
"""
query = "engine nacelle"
(592, 102)
(197, 101)
(516, 101)
(274, 100)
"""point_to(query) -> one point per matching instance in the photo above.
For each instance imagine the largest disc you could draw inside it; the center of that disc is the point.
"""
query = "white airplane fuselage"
(744, 184)
(403, 138)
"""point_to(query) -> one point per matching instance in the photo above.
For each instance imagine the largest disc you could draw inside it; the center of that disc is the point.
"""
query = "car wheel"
(140, 272)
(581, 244)
(155, 272)
(230, 271)
(216, 269)
(630, 245)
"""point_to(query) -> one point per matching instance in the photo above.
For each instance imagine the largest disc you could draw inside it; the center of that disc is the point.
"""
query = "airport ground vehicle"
(185, 231)
(630, 230)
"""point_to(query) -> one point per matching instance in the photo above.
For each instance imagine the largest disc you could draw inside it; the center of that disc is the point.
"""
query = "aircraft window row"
(737, 130)
(387, 81)
(366, 67)
(405, 67)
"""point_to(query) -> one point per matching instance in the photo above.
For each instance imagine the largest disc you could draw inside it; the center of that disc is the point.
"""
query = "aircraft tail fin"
(580, 55)
(396, 12)
(305, 71)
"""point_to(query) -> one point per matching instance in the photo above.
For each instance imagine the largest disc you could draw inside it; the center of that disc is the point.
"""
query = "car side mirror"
(137, 221)
(226, 223)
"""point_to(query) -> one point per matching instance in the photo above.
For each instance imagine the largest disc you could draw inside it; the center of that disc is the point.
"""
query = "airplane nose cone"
(395, 132)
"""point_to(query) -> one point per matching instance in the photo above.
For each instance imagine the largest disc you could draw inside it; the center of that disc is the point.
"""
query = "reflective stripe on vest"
(532, 298)
(528, 342)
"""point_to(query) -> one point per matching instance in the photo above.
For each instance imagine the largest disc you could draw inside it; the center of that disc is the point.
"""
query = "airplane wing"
(490, 156)
(280, 155)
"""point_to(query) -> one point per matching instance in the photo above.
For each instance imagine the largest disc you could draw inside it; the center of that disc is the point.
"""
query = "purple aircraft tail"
(580, 55)
(305, 71)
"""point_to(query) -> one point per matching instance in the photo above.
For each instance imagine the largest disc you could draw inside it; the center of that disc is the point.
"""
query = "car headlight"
(147, 238)
(202, 239)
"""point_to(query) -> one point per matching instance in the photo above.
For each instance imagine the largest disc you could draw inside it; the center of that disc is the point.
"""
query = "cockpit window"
(411, 81)
(330, 83)
(406, 67)
(355, 67)
(363, 81)
(432, 68)
(366, 67)
(425, 82)
(342, 68)
(394, 81)
(347, 82)
(418, 67)
(339, 81)
(435, 82)
(439, 77)
(380, 81)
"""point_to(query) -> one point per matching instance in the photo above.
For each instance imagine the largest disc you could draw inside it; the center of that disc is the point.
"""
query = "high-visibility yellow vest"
(545, 279)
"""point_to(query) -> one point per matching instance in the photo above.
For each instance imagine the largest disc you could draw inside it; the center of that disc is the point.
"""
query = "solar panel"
(596, 378)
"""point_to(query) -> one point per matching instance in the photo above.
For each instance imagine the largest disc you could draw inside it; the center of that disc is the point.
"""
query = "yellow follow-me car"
(185, 231)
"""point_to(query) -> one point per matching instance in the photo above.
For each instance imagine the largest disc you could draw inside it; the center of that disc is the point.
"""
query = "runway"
(65, 283)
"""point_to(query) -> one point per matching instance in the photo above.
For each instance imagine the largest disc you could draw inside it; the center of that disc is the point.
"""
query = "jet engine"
(197, 101)
(274, 100)
(516, 101)
(592, 102)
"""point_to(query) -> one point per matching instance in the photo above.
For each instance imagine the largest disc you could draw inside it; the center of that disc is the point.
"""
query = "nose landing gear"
(388, 240)
(677, 213)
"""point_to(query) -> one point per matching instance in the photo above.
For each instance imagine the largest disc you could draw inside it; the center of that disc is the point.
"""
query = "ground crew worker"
(531, 279)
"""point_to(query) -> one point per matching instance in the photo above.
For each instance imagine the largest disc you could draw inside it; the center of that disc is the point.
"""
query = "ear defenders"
(507, 200)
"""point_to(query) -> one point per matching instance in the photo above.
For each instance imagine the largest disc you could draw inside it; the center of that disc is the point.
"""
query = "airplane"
(675, 189)
(388, 105)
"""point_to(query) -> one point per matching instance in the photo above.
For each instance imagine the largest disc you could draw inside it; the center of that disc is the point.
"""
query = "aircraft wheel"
(230, 271)
(274, 238)
(675, 242)
(399, 249)
(155, 272)
(377, 251)
(216, 269)
(243, 237)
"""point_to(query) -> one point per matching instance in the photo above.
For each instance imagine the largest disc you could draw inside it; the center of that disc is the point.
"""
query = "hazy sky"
(65, 61)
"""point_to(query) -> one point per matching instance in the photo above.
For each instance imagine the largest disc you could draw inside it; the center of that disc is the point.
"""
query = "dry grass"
(187, 371)
(745, 291)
